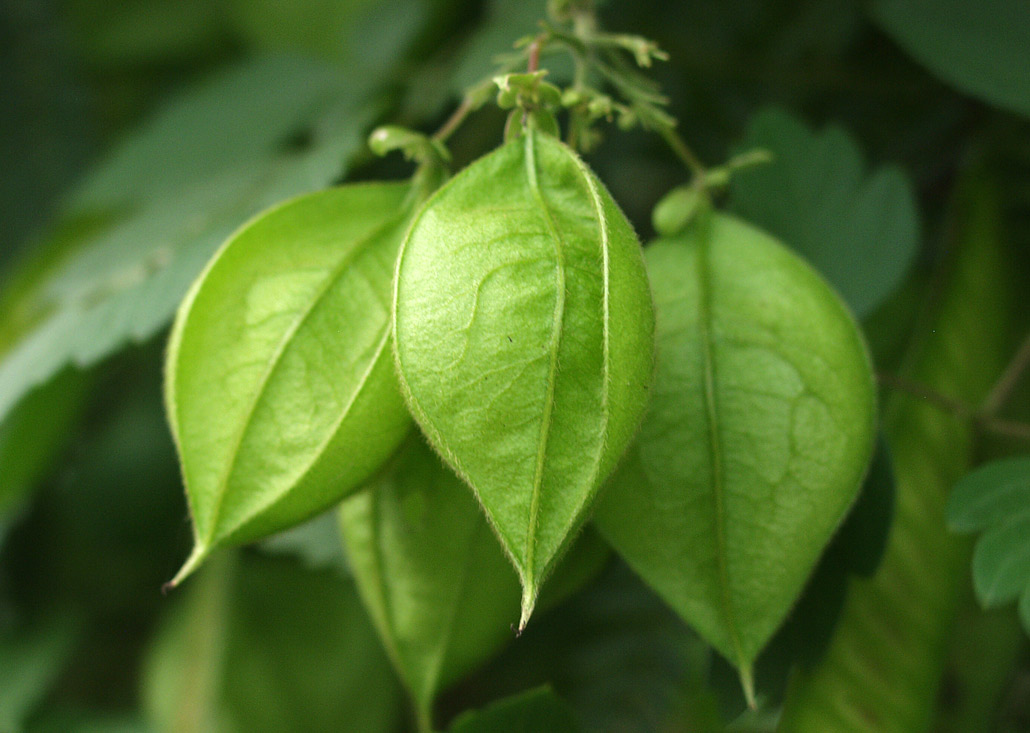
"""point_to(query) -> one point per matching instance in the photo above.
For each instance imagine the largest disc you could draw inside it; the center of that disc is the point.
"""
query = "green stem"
(572, 137)
(682, 151)
(195, 708)
(475, 97)
(1002, 389)
(424, 718)
(981, 418)
(453, 122)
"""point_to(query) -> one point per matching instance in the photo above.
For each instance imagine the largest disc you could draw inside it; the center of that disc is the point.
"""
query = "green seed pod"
(524, 341)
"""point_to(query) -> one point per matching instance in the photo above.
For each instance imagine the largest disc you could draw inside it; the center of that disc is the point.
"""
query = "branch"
(1002, 389)
(979, 418)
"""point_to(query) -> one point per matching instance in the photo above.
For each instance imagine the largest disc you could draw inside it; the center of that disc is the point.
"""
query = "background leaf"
(885, 661)
(73, 720)
(577, 569)
(32, 437)
(995, 501)
(118, 277)
(321, 27)
(615, 653)
(30, 660)
(859, 229)
(258, 639)
(316, 543)
(430, 571)
(979, 47)
(505, 22)
(109, 515)
(48, 131)
(249, 112)
(116, 33)
(530, 712)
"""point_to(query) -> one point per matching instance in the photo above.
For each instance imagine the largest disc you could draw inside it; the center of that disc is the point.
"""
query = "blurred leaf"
(859, 228)
(888, 328)
(61, 720)
(762, 720)
(321, 27)
(119, 33)
(366, 39)
(990, 495)
(30, 660)
(529, 712)
(859, 544)
(47, 135)
(260, 644)
(32, 436)
(885, 662)
(580, 566)
(20, 288)
(1025, 611)
(1001, 564)
(182, 676)
(506, 22)
(976, 690)
(383, 35)
(105, 531)
(616, 654)
(980, 47)
(995, 500)
(430, 571)
(316, 543)
(245, 113)
(109, 285)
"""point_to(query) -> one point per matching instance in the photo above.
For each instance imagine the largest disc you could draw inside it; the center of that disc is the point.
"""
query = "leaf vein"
(718, 478)
(556, 333)
(334, 276)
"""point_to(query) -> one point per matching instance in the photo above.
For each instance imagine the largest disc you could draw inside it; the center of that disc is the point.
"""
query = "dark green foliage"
(980, 48)
(995, 501)
(139, 135)
(529, 712)
(860, 230)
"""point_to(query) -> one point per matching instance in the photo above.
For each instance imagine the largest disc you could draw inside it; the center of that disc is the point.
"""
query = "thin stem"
(682, 150)
(533, 62)
(423, 718)
(982, 420)
(453, 122)
(572, 136)
(948, 404)
(576, 114)
(1007, 428)
(1002, 389)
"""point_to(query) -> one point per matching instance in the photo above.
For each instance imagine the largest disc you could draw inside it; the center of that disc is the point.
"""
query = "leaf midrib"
(714, 444)
(384, 340)
(334, 277)
(555, 344)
